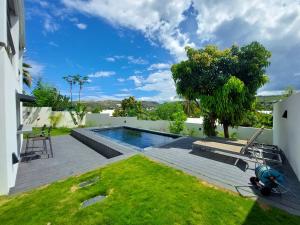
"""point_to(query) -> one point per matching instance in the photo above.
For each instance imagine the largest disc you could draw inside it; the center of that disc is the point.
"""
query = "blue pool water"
(138, 138)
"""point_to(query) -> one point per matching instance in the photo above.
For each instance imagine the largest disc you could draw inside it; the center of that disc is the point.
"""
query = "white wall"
(162, 125)
(38, 116)
(10, 84)
(287, 130)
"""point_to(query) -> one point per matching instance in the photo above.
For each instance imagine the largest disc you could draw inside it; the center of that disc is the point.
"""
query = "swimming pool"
(136, 137)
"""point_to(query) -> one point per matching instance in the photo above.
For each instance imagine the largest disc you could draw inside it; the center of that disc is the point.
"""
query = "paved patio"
(71, 157)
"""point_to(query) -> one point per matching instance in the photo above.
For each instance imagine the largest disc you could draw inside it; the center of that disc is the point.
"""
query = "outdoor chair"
(43, 136)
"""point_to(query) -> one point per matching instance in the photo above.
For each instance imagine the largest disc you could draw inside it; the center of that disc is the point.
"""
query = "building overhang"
(25, 98)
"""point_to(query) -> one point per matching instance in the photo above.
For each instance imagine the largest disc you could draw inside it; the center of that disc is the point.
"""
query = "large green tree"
(48, 96)
(215, 76)
(129, 107)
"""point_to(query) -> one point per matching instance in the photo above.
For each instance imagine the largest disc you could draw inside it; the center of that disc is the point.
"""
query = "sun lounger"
(237, 147)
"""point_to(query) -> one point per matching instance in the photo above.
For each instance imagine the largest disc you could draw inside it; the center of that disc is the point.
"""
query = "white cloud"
(162, 83)
(158, 20)
(159, 66)
(81, 26)
(101, 97)
(37, 69)
(125, 90)
(121, 80)
(102, 74)
(93, 88)
(138, 60)
(49, 24)
(52, 43)
(110, 59)
(136, 79)
(123, 95)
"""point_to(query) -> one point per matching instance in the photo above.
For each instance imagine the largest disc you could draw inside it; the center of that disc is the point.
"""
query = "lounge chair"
(248, 148)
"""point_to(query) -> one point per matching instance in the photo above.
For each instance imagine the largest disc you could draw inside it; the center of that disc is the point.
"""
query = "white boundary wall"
(162, 125)
(39, 116)
(287, 130)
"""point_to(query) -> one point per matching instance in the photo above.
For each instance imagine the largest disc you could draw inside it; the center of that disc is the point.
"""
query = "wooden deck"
(228, 171)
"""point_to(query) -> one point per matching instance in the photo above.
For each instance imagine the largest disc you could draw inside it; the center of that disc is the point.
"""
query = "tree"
(177, 125)
(71, 81)
(208, 71)
(288, 91)
(129, 107)
(27, 78)
(80, 80)
(48, 96)
(167, 111)
(80, 110)
(228, 103)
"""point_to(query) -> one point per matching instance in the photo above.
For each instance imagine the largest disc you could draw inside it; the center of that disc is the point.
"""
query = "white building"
(286, 129)
(12, 42)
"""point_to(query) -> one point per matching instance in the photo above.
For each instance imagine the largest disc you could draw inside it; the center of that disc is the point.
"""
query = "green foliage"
(139, 191)
(97, 109)
(55, 131)
(48, 96)
(80, 80)
(223, 80)
(129, 107)
(27, 78)
(78, 113)
(209, 126)
(168, 110)
(257, 119)
(227, 103)
(177, 124)
(290, 90)
(55, 119)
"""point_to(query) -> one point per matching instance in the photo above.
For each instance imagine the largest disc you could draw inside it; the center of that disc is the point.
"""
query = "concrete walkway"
(71, 157)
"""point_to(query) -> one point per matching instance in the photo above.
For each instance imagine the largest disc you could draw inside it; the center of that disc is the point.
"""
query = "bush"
(97, 109)
(54, 119)
(257, 119)
(177, 125)
(48, 96)
(80, 110)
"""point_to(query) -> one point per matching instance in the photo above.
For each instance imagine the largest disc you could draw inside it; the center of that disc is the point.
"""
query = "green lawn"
(55, 131)
(139, 191)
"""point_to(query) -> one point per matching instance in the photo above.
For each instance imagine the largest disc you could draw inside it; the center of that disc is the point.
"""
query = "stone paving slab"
(71, 157)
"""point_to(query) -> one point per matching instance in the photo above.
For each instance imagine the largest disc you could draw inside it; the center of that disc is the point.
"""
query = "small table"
(24, 129)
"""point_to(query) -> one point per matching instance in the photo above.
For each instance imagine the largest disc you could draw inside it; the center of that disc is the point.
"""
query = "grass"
(55, 131)
(139, 191)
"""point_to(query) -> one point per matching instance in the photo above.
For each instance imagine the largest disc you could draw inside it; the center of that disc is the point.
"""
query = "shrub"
(55, 119)
(97, 109)
(177, 125)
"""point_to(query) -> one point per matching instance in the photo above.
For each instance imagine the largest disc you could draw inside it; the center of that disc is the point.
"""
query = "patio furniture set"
(33, 151)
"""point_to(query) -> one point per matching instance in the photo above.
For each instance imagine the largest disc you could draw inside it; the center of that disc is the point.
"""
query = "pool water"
(138, 138)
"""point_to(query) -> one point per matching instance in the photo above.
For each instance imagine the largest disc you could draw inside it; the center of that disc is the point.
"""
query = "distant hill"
(112, 104)
(266, 102)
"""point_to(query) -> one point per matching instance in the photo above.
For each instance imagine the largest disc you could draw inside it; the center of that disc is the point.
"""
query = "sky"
(126, 47)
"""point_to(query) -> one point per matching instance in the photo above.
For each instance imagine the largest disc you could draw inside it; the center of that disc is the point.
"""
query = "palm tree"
(80, 80)
(71, 81)
(27, 78)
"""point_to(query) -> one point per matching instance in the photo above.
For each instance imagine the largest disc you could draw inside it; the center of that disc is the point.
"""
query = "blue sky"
(127, 48)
